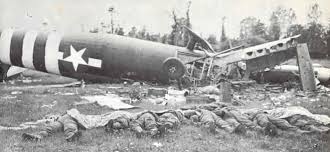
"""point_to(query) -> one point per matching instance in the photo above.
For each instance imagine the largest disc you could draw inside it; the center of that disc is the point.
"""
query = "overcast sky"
(73, 15)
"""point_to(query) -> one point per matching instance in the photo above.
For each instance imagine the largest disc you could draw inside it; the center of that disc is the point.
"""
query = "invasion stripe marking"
(39, 53)
(5, 41)
(28, 45)
(16, 49)
(52, 54)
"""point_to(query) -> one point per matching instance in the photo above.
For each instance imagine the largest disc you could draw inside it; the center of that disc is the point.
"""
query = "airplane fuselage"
(85, 55)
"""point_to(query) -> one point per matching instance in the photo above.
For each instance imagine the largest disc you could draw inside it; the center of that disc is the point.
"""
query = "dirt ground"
(19, 102)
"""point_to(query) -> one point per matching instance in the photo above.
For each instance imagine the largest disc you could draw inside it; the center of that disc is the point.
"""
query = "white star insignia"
(76, 57)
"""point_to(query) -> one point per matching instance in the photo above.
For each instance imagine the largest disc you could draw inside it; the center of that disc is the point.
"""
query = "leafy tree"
(175, 33)
(188, 24)
(142, 34)
(121, 31)
(314, 14)
(315, 42)
(223, 37)
(251, 27)
(327, 37)
(280, 20)
(259, 29)
(164, 39)
(94, 30)
(179, 36)
(133, 32)
(154, 37)
(212, 39)
(315, 32)
(295, 29)
(253, 40)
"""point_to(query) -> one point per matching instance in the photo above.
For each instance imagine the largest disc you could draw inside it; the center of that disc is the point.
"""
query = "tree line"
(252, 31)
(283, 24)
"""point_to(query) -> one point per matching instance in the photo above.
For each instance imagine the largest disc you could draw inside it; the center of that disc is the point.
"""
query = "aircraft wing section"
(264, 50)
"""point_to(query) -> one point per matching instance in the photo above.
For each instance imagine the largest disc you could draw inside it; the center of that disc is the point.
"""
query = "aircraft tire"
(174, 68)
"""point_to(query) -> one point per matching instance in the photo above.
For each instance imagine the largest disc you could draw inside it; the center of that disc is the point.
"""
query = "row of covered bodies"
(212, 117)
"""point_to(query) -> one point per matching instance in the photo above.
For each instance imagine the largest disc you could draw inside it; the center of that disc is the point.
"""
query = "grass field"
(20, 104)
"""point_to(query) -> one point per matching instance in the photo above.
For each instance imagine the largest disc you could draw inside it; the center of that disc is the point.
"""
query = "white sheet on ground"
(94, 121)
(111, 100)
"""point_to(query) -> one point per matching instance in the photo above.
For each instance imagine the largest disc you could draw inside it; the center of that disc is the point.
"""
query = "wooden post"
(306, 70)
(225, 91)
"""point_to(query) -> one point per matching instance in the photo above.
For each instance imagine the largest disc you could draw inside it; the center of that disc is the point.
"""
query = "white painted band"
(5, 41)
(28, 44)
(52, 53)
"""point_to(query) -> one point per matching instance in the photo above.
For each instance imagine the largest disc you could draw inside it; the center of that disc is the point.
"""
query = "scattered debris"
(247, 82)
(8, 97)
(157, 92)
(174, 92)
(157, 144)
(137, 83)
(26, 81)
(199, 99)
(16, 92)
(175, 99)
(114, 87)
(67, 93)
(49, 105)
(73, 84)
(209, 90)
(82, 83)
(161, 100)
(113, 101)
(239, 84)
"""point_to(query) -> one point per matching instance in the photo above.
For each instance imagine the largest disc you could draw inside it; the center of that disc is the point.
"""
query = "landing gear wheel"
(174, 68)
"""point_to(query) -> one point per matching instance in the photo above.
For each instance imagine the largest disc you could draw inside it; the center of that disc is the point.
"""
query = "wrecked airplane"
(90, 56)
